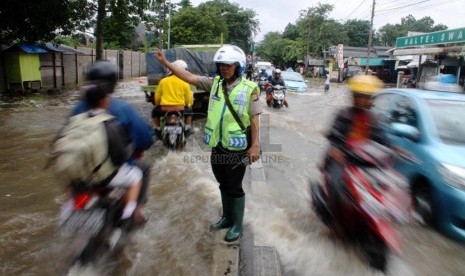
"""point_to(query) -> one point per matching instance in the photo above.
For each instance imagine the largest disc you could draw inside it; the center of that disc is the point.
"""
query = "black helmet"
(103, 71)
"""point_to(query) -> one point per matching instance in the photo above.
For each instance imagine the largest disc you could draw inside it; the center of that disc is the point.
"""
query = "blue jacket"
(139, 131)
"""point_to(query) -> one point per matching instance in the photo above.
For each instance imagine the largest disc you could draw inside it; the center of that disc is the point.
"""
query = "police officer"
(234, 143)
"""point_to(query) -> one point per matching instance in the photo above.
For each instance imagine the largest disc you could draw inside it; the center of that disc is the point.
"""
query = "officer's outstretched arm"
(179, 72)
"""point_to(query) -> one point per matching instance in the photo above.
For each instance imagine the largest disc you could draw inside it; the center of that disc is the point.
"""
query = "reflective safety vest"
(221, 127)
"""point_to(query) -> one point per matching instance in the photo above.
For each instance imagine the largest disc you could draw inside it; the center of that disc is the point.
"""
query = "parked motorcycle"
(92, 223)
(373, 198)
(172, 130)
(277, 96)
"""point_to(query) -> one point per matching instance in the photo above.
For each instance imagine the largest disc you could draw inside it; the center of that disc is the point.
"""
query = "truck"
(199, 62)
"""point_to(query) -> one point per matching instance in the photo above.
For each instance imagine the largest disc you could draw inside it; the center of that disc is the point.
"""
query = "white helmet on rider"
(277, 71)
(178, 63)
(230, 54)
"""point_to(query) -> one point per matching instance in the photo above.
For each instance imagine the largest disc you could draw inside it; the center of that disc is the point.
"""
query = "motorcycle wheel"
(423, 203)
(319, 203)
(375, 251)
(180, 141)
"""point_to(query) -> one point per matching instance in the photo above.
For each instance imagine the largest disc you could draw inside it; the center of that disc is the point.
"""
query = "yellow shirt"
(173, 91)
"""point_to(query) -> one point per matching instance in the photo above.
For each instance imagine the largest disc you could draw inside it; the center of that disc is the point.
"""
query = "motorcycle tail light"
(80, 200)
(171, 120)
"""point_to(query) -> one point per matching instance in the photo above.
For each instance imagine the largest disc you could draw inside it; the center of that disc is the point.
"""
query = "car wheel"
(423, 203)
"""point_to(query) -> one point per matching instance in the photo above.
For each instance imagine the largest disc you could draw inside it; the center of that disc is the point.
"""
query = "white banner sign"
(340, 56)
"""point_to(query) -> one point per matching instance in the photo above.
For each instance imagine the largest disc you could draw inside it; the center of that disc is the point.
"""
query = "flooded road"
(305, 245)
(184, 199)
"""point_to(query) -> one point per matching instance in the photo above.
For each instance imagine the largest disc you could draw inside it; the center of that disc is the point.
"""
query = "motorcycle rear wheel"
(375, 251)
(319, 204)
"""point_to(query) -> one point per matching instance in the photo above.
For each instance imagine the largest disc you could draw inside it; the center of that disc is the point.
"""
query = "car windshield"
(449, 118)
(291, 76)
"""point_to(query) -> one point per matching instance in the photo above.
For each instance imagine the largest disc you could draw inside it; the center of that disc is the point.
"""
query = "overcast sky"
(274, 15)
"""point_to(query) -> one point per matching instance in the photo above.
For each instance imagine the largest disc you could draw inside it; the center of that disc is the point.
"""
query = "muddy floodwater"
(184, 198)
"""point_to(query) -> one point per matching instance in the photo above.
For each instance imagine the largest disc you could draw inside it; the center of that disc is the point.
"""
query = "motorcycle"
(92, 222)
(277, 95)
(262, 83)
(172, 130)
(373, 198)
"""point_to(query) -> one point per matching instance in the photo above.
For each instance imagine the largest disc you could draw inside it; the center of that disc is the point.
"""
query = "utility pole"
(161, 19)
(370, 38)
(308, 46)
(169, 23)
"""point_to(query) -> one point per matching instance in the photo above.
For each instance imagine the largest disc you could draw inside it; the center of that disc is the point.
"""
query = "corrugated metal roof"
(62, 48)
(27, 48)
(32, 49)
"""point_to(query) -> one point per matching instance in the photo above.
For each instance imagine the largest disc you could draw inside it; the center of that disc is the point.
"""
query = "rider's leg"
(142, 199)
(156, 114)
(128, 176)
(188, 120)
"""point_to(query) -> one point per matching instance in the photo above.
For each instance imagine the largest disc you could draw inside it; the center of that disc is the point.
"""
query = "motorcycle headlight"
(453, 175)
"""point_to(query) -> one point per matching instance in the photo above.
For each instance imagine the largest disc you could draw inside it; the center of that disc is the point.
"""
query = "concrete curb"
(265, 257)
(248, 256)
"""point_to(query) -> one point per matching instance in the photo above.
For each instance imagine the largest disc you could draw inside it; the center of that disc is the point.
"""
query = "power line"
(354, 10)
(404, 6)
(435, 4)
(387, 16)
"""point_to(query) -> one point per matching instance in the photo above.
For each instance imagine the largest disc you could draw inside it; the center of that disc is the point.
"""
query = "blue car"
(427, 130)
(294, 82)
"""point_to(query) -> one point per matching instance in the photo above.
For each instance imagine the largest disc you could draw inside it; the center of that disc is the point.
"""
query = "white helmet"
(231, 54)
(180, 63)
(277, 71)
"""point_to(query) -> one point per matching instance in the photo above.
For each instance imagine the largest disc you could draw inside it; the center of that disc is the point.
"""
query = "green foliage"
(40, 21)
(241, 23)
(72, 41)
(185, 26)
(358, 32)
(390, 32)
(279, 50)
(119, 27)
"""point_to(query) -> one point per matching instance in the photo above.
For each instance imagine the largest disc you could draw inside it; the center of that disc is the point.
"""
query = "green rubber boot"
(225, 220)
(235, 232)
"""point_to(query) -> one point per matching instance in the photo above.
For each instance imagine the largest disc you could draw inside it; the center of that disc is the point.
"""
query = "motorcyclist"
(249, 71)
(352, 124)
(262, 73)
(273, 80)
(140, 133)
(173, 94)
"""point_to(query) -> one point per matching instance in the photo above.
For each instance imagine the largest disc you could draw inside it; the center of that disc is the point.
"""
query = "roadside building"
(432, 54)
(381, 62)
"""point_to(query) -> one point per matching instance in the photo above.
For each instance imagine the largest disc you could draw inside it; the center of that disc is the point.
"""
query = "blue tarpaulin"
(26, 48)
(32, 49)
(198, 62)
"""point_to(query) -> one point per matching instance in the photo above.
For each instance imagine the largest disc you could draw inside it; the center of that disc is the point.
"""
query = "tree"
(185, 4)
(123, 12)
(41, 21)
(120, 26)
(390, 32)
(241, 23)
(187, 23)
(358, 32)
(291, 32)
(320, 32)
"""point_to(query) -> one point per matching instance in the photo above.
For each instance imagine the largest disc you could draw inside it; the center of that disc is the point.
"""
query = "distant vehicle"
(262, 64)
(427, 130)
(199, 63)
(278, 94)
(294, 82)
(351, 71)
(385, 75)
